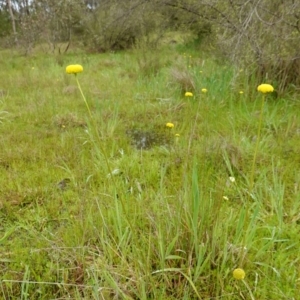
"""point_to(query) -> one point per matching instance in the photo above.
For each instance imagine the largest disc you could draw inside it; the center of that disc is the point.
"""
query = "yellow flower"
(170, 125)
(204, 90)
(239, 274)
(241, 92)
(188, 94)
(177, 135)
(225, 198)
(265, 88)
(74, 69)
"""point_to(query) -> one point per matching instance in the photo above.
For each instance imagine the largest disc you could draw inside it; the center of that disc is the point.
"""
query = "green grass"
(168, 223)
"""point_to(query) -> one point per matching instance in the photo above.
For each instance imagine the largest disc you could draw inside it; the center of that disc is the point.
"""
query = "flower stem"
(251, 186)
(257, 145)
(96, 131)
(101, 147)
(249, 290)
(84, 99)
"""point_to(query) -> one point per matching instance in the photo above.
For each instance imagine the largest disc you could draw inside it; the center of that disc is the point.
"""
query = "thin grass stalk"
(100, 146)
(257, 145)
(249, 289)
(195, 207)
(252, 181)
(25, 284)
(177, 270)
(95, 128)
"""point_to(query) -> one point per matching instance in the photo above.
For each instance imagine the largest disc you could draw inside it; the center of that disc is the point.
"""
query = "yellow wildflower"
(177, 135)
(188, 94)
(74, 69)
(241, 92)
(170, 125)
(225, 198)
(265, 88)
(239, 274)
(204, 90)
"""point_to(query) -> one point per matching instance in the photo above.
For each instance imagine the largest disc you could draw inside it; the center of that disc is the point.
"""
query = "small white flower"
(114, 173)
(232, 179)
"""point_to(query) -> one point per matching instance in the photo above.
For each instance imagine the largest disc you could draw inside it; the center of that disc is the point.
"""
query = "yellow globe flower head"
(188, 94)
(74, 69)
(265, 88)
(204, 91)
(239, 274)
(170, 125)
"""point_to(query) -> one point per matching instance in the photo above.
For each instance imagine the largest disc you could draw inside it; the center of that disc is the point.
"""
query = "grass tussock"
(183, 79)
(101, 200)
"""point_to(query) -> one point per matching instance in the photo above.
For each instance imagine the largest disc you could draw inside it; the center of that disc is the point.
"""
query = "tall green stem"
(257, 145)
(100, 144)
(251, 186)
(95, 128)
(84, 99)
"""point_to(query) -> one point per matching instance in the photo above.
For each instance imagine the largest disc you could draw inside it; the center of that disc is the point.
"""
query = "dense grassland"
(100, 200)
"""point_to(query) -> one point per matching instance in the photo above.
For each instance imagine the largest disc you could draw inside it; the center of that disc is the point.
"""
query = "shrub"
(261, 38)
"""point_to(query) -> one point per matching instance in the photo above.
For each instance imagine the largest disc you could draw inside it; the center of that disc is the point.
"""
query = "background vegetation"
(112, 204)
(255, 35)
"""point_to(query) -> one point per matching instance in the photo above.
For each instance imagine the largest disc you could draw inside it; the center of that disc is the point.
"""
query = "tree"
(262, 38)
(254, 35)
(12, 20)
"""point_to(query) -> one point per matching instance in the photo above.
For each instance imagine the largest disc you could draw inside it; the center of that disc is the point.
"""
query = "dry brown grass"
(183, 79)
